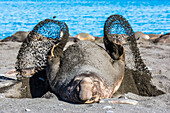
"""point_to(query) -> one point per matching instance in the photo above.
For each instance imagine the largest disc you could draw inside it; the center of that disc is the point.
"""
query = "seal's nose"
(86, 89)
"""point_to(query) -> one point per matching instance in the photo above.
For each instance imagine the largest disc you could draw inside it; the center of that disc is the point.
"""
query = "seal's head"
(84, 88)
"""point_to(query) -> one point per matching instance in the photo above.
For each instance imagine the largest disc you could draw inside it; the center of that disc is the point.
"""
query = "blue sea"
(148, 16)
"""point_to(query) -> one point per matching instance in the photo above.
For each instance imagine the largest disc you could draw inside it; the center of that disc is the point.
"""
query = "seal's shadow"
(138, 83)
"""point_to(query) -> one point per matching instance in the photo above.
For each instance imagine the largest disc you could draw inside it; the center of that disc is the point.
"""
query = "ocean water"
(148, 16)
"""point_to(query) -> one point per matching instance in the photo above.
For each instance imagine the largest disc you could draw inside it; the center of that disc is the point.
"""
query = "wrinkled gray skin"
(85, 73)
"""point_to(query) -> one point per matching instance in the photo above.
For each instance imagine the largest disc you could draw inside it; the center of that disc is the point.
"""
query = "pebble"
(1, 96)
(119, 101)
(149, 68)
(109, 111)
(101, 101)
(27, 109)
(107, 107)
(64, 109)
(49, 95)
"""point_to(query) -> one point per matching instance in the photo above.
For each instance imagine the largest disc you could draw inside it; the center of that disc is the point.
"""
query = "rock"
(27, 109)
(49, 95)
(107, 107)
(109, 111)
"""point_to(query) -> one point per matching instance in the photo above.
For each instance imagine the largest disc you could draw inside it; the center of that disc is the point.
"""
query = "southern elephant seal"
(85, 36)
(163, 38)
(19, 36)
(85, 72)
(141, 35)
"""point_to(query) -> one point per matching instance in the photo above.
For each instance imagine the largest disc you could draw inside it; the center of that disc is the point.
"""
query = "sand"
(155, 56)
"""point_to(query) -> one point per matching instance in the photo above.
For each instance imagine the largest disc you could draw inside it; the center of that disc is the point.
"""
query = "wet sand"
(155, 56)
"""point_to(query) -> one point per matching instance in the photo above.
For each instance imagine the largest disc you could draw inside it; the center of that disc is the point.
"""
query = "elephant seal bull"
(141, 35)
(163, 39)
(85, 36)
(86, 73)
(19, 36)
(83, 73)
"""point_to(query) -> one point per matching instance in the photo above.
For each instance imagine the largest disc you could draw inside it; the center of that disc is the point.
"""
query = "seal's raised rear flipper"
(34, 50)
(111, 41)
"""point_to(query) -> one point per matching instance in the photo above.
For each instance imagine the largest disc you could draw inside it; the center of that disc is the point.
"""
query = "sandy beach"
(86, 21)
(155, 56)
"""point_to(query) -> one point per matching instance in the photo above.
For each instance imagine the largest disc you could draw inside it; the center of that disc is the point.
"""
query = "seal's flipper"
(34, 50)
(116, 51)
(112, 43)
